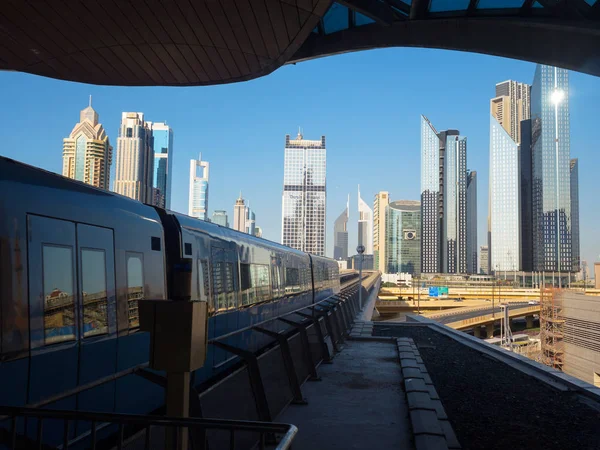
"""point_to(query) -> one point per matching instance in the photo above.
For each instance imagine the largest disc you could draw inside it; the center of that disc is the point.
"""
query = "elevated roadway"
(470, 317)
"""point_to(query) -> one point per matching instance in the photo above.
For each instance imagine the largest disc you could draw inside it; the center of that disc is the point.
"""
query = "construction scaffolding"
(552, 324)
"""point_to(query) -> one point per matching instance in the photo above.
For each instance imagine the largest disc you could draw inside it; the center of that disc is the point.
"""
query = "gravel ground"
(492, 406)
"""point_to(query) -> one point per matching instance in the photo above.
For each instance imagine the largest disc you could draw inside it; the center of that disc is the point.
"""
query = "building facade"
(87, 153)
(575, 249)
(134, 170)
(454, 228)
(220, 218)
(511, 106)
(304, 195)
(382, 199)
(526, 180)
(365, 225)
(472, 259)
(402, 237)
(198, 195)
(250, 221)
(340, 234)
(551, 168)
(430, 198)
(239, 214)
(484, 260)
(163, 162)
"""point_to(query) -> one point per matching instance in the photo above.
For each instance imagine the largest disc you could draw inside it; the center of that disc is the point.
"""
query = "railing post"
(308, 359)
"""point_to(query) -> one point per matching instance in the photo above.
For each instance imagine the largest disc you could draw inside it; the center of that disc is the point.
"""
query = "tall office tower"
(433, 181)
(508, 171)
(551, 168)
(526, 180)
(511, 106)
(250, 221)
(198, 196)
(220, 218)
(382, 199)
(135, 159)
(304, 194)
(484, 260)
(402, 237)
(472, 222)
(239, 215)
(87, 153)
(163, 162)
(340, 234)
(365, 225)
(454, 229)
(575, 215)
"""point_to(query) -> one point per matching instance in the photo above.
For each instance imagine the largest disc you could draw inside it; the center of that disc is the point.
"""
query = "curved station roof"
(203, 42)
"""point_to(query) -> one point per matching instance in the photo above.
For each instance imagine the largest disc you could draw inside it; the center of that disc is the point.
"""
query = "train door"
(97, 313)
(54, 324)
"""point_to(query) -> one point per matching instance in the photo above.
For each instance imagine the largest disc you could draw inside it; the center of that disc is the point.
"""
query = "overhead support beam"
(400, 6)
(419, 9)
(526, 8)
(378, 11)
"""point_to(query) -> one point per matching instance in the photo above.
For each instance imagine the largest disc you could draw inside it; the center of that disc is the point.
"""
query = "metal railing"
(145, 424)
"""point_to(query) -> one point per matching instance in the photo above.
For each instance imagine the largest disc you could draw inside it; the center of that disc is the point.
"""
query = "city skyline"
(401, 182)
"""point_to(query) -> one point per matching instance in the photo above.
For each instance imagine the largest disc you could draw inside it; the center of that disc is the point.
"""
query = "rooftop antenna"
(90, 105)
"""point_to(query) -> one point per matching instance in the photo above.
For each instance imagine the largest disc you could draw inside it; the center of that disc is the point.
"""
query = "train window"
(93, 282)
(229, 285)
(135, 287)
(187, 249)
(223, 285)
(59, 294)
(245, 280)
(155, 243)
(260, 281)
(292, 280)
(203, 281)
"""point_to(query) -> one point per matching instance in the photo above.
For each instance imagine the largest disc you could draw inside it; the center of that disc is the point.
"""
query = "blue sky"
(368, 104)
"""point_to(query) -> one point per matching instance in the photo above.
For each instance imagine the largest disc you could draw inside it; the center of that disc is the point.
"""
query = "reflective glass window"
(59, 294)
(93, 280)
(203, 280)
(494, 4)
(135, 287)
(448, 5)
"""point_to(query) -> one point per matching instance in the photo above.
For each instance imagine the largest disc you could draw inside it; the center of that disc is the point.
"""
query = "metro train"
(75, 261)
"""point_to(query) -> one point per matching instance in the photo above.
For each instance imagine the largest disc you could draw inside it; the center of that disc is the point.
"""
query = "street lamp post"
(360, 250)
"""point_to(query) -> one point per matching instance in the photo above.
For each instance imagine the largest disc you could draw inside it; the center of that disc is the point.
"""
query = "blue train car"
(75, 262)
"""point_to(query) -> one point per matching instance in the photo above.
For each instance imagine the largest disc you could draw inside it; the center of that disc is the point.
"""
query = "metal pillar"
(489, 328)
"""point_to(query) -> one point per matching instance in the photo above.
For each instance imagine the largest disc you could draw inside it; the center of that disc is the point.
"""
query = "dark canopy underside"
(204, 42)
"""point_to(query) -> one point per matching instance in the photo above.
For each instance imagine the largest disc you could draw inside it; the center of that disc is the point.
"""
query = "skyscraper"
(87, 153)
(220, 218)
(135, 159)
(340, 234)
(250, 221)
(198, 196)
(575, 215)
(365, 225)
(526, 180)
(454, 223)
(239, 215)
(472, 222)
(443, 231)
(402, 237)
(484, 260)
(382, 199)
(163, 162)
(508, 110)
(304, 195)
(551, 168)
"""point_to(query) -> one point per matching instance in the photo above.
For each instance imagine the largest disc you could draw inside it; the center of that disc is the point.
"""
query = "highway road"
(482, 312)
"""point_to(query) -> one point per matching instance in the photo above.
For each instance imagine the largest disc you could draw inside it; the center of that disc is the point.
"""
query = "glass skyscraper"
(340, 234)
(304, 195)
(163, 162)
(509, 167)
(402, 237)
(504, 200)
(382, 199)
(365, 225)
(551, 168)
(198, 196)
(220, 218)
(87, 153)
(454, 228)
(134, 170)
(575, 215)
(472, 222)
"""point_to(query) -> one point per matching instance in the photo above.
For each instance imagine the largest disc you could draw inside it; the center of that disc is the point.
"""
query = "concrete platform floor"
(358, 404)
